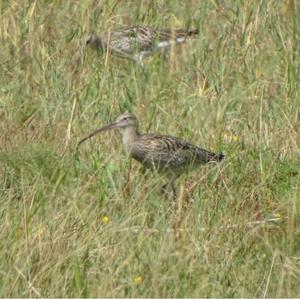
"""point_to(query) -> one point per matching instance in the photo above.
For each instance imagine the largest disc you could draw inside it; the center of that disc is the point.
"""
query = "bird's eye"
(125, 118)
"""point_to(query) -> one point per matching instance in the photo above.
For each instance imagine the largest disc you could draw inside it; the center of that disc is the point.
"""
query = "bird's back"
(139, 38)
(171, 153)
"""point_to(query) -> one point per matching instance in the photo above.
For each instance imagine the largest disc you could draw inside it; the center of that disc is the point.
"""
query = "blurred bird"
(166, 154)
(138, 42)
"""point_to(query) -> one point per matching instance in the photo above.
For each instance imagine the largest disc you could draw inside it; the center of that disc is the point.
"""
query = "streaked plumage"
(138, 42)
(167, 154)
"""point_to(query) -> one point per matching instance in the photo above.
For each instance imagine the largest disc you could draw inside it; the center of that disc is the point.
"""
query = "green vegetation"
(70, 227)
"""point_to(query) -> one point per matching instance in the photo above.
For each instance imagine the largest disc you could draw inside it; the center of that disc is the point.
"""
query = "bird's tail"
(205, 156)
(219, 157)
(212, 157)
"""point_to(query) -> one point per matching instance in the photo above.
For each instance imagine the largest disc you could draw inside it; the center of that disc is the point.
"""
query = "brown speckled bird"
(166, 154)
(138, 42)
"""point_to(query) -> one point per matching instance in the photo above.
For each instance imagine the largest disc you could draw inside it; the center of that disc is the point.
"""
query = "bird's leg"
(164, 188)
(166, 53)
(126, 188)
(173, 188)
(141, 64)
(138, 58)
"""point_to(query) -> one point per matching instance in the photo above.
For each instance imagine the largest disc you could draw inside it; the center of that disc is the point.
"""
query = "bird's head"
(95, 42)
(124, 121)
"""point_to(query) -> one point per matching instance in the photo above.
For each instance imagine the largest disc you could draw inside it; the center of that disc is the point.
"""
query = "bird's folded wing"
(170, 148)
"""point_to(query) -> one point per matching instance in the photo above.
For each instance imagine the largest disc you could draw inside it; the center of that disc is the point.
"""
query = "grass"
(68, 228)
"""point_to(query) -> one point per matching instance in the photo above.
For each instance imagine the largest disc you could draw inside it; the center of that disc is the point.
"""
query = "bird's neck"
(129, 136)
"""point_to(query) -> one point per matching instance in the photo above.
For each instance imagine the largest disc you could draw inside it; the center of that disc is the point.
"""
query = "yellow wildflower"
(231, 138)
(235, 138)
(105, 219)
(277, 216)
(137, 280)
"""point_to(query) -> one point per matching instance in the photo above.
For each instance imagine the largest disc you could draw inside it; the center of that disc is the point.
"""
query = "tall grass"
(70, 227)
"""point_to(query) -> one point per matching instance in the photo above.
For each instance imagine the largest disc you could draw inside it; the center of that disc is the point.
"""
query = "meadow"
(88, 222)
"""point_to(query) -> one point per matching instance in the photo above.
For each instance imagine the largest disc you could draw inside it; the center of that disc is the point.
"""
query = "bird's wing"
(172, 34)
(131, 39)
(140, 38)
(171, 150)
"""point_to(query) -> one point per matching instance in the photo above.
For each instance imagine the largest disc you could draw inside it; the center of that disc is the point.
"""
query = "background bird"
(137, 42)
(166, 154)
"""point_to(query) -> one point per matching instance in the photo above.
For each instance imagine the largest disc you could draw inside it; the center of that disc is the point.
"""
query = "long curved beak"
(105, 128)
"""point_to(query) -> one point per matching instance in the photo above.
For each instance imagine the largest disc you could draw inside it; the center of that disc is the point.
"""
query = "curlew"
(138, 42)
(168, 155)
